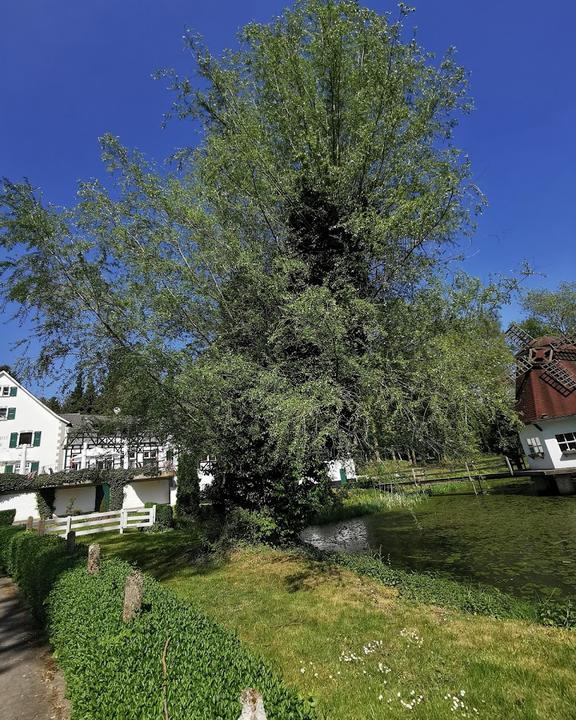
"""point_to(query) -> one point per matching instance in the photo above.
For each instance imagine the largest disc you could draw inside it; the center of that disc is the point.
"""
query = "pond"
(522, 543)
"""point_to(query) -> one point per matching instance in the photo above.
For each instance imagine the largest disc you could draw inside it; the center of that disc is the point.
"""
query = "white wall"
(31, 416)
(334, 467)
(553, 457)
(82, 498)
(139, 492)
(25, 505)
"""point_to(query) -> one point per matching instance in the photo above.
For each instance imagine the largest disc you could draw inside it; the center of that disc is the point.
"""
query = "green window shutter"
(11, 414)
(8, 469)
(34, 466)
(36, 440)
(13, 439)
(13, 391)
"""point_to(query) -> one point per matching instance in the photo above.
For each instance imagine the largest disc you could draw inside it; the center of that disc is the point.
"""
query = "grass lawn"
(356, 647)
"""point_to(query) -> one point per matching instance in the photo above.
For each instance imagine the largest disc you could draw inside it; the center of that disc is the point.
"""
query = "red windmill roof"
(539, 395)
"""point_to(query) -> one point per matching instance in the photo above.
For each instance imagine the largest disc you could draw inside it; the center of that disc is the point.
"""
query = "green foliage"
(435, 589)
(283, 298)
(551, 312)
(44, 484)
(164, 517)
(114, 671)
(7, 532)
(35, 562)
(357, 502)
(188, 498)
(252, 526)
(7, 517)
(45, 500)
(557, 614)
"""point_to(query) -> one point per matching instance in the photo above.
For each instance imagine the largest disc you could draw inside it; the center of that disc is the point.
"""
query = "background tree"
(551, 312)
(276, 287)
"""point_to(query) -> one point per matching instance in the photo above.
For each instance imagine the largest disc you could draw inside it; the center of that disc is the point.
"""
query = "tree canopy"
(281, 292)
(551, 312)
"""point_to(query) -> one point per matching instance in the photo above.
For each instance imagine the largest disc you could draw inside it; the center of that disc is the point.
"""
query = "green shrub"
(35, 562)
(115, 671)
(252, 526)
(7, 532)
(557, 613)
(7, 517)
(164, 517)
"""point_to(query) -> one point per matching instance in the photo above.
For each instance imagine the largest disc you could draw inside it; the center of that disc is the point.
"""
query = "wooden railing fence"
(94, 523)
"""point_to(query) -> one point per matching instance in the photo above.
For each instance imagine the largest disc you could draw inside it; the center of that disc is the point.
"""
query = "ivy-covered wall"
(44, 484)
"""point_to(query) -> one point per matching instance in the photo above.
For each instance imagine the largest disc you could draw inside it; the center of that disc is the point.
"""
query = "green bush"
(7, 532)
(35, 562)
(557, 613)
(7, 517)
(164, 517)
(114, 671)
(252, 526)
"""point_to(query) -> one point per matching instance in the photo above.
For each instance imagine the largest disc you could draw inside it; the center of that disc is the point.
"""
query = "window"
(7, 391)
(7, 413)
(105, 464)
(25, 438)
(150, 457)
(567, 443)
(3, 413)
(535, 449)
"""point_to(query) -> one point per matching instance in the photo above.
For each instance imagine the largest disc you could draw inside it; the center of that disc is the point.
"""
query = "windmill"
(543, 358)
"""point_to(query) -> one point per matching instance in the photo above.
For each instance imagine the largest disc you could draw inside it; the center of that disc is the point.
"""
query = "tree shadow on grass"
(165, 555)
(313, 574)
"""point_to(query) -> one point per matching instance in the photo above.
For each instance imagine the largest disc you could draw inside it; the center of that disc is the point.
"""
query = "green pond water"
(522, 543)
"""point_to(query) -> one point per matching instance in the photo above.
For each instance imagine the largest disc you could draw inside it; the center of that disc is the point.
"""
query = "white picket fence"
(92, 523)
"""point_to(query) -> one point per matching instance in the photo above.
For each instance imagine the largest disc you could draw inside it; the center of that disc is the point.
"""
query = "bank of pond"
(511, 538)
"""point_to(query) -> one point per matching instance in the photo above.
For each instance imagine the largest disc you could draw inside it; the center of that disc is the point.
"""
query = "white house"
(34, 439)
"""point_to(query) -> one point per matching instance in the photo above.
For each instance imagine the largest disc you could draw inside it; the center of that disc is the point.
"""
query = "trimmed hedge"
(7, 517)
(115, 671)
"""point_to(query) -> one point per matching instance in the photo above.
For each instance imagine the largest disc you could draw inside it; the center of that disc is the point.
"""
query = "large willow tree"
(276, 292)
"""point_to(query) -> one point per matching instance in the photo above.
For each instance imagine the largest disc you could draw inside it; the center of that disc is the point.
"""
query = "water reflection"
(524, 544)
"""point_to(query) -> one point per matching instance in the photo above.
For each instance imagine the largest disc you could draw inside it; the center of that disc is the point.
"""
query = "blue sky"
(70, 71)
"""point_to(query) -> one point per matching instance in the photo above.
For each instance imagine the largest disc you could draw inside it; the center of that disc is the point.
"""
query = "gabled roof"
(538, 396)
(6, 375)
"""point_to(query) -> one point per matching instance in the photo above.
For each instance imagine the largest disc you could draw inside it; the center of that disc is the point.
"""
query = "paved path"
(30, 687)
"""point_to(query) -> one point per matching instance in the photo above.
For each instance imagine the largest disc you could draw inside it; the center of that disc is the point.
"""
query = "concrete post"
(252, 705)
(71, 541)
(94, 559)
(133, 590)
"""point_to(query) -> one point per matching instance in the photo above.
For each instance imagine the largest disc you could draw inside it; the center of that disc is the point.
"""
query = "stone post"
(30, 523)
(133, 590)
(71, 541)
(41, 526)
(252, 705)
(93, 559)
